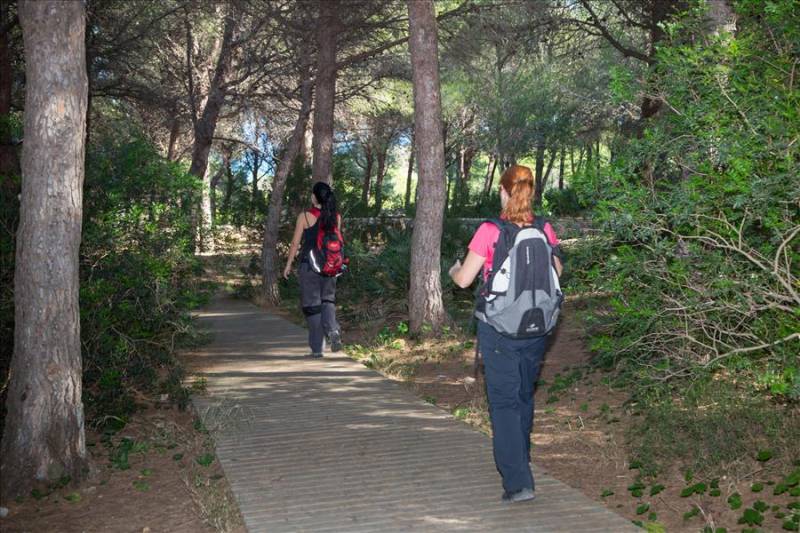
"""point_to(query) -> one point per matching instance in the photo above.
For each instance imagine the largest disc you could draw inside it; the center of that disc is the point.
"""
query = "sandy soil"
(163, 489)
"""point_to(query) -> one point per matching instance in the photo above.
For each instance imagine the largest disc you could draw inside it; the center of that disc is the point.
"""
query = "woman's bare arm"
(299, 226)
(464, 275)
(558, 265)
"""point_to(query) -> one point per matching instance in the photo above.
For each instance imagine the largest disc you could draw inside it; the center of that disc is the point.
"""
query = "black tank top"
(309, 240)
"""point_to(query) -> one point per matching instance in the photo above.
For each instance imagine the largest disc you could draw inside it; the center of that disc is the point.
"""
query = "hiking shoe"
(335, 339)
(314, 355)
(522, 495)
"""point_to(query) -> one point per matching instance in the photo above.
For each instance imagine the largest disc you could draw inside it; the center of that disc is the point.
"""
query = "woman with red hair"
(511, 364)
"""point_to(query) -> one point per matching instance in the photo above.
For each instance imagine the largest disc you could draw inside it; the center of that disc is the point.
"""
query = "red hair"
(517, 181)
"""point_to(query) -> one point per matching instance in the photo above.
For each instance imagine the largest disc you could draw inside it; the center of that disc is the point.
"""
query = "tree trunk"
(229, 179)
(588, 160)
(410, 172)
(572, 161)
(206, 125)
(561, 170)
(44, 429)
(257, 160)
(541, 184)
(325, 90)
(598, 160)
(538, 172)
(466, 167)
(367, 184)
(212, 196)
(490, 170)
(425, 304)
(9, 164)
(174, 132)
(269, 256)
(383, 152)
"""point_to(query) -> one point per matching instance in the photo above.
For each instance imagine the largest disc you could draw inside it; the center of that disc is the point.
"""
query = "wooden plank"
(328, 445)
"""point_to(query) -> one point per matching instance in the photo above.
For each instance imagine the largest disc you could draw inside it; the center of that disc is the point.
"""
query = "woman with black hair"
(317, 292)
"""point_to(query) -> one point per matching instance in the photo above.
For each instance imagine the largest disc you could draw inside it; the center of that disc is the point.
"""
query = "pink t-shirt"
(486, 236)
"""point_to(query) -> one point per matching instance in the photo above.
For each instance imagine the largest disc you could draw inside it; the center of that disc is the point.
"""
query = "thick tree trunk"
(44, 429)
(206, 125)
(425, 304)
(9, 164)
(269, 256)
(410, 172)
(366, 185)
(383, 153)
(325, 90)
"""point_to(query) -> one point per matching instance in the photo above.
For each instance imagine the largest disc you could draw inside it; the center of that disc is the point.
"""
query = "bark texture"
(425, 291)
(44, 430)
(325, 90)
(269, 256)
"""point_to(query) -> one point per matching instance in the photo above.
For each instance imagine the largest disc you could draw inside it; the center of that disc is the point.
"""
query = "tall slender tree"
(44, 430)
(425, 291)
(327, 30)
(269, 256)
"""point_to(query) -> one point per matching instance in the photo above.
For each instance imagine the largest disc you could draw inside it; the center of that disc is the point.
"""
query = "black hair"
(328, 219)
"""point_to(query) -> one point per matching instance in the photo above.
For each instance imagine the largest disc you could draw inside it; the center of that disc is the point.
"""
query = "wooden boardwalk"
(329, 445)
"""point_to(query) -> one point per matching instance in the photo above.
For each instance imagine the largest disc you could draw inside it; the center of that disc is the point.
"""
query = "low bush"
(137, 275)
(700, 217)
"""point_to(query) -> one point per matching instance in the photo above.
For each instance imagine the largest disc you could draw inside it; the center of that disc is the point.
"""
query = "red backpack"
(327, 257)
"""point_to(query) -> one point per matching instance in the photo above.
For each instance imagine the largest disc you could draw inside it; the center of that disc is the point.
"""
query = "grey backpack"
(522, 296)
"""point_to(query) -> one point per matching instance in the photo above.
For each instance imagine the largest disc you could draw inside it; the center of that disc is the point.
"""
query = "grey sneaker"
(335, 339)
(314, 355)
(523, 495)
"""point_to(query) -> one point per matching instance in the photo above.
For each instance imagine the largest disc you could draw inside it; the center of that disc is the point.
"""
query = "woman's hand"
(455, 268)
(287, 271)
(464, 275)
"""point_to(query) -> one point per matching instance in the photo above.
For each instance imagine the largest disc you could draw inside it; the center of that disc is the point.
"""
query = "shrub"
(563, 201)
(137, 269)
(700, 216)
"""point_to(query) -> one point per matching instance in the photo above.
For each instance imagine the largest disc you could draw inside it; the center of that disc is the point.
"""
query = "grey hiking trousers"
(318, 300)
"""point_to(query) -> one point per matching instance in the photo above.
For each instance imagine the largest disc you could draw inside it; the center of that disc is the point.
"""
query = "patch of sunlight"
(446, 521)
(407, 413)
(224, 313)
(366, 426)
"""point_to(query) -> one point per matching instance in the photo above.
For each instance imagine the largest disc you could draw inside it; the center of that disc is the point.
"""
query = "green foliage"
(699, 215)
(735, 501)
(137, 268)
(751, 517)
(561, 202)
(205, 460)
